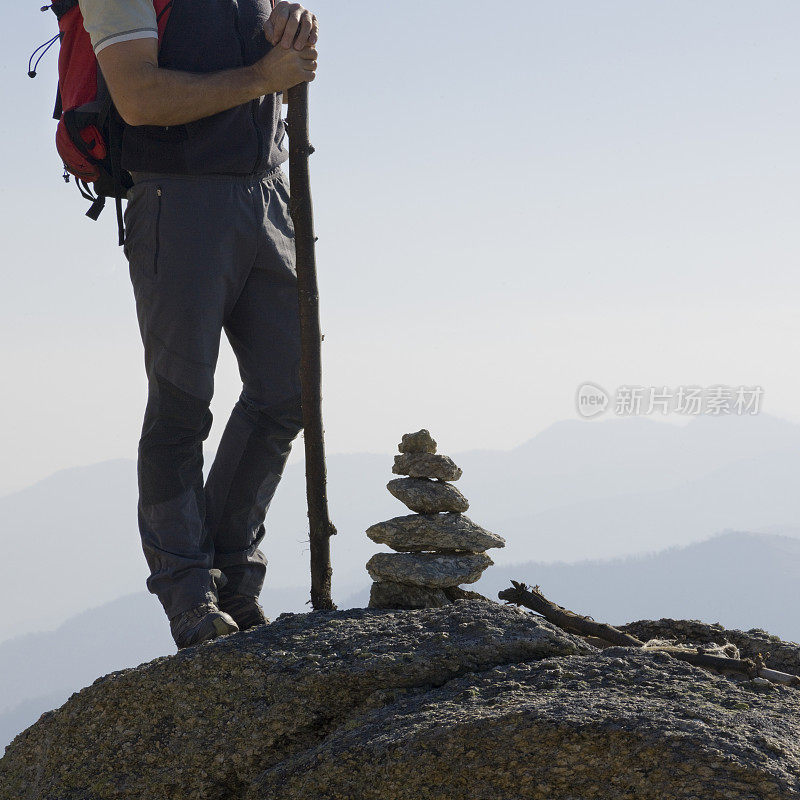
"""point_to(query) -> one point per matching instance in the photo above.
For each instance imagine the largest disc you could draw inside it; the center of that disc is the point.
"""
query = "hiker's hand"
(280, 69)
(291, 24)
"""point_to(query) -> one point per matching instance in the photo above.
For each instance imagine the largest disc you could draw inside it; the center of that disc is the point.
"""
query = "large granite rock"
(388, 594)
(620, 725)
(419, 532)
(432, 570)
(426, 465)
(207, 722)
(468, 702)
(427, 497)
(419, 442)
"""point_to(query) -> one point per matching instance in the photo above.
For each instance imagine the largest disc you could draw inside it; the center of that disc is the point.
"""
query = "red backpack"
(89, 132)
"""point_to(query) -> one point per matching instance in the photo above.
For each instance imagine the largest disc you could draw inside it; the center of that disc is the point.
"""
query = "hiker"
(209, 242)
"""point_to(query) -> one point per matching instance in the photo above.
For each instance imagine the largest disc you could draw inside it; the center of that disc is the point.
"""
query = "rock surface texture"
(437, 533)
(419, 442)
(388, 594)
(433, 532)
(467, 702)
(426, 465)
(431, 570)
(425, 496)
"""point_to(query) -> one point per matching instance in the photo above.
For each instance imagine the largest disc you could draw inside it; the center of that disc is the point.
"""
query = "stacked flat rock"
(437, 548)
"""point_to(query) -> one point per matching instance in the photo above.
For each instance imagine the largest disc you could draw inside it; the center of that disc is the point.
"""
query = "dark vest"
(208, 36)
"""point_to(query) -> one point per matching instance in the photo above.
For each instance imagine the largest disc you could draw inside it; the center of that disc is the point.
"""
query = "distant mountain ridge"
(749, 494)
(577, 490)
(740, 579)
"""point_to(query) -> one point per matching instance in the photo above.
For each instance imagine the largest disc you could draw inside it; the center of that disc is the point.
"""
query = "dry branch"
(521, 595)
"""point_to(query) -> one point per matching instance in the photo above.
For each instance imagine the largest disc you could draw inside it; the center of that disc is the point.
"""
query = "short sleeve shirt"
(111, 21)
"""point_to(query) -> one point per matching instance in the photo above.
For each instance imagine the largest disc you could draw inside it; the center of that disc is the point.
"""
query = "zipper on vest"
(253, 103)
(158, 231)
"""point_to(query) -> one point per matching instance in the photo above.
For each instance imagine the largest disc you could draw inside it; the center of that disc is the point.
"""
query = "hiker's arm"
(145, 94)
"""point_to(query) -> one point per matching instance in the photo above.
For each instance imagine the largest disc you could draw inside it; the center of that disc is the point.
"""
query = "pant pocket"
(142, 230)
(157, 246)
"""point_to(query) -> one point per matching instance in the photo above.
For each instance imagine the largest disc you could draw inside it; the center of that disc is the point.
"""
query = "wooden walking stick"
(321, 527)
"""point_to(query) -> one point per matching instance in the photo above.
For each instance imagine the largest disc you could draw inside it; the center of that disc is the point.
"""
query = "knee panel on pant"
(285, 417)
(181, 411)
(170, 451)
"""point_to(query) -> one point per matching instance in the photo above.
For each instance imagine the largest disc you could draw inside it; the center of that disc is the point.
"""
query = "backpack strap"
(111, 121)
(60, 7)
(98, 201)
(58, 110)
(115, 152)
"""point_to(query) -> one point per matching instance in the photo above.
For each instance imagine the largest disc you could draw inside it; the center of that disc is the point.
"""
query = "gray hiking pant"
(207, 254)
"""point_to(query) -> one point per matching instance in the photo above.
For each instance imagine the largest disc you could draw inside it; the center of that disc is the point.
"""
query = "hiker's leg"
(171, 500)
(186, 240)
(264, 331)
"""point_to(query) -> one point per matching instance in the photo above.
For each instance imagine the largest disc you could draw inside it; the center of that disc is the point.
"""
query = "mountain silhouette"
(577, 490)
(740, 579)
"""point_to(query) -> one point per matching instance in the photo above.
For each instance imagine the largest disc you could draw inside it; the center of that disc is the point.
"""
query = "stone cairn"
(436, 548)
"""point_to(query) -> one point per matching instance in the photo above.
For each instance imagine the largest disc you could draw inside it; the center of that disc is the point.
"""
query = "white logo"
(591, 400)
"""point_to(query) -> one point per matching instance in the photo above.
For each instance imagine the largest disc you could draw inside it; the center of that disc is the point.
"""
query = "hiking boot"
(245, 609)
(200, 624)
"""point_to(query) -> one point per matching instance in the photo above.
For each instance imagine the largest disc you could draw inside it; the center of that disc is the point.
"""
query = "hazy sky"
(511, 199)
